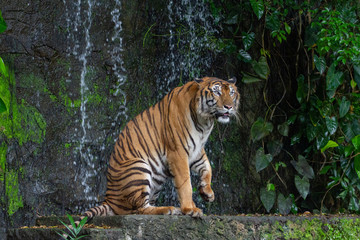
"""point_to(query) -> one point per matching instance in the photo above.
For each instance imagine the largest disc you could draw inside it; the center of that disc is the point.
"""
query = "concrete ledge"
(208, 227)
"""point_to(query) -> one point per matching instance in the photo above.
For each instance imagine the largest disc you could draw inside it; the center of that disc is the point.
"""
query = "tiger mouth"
(223, 115)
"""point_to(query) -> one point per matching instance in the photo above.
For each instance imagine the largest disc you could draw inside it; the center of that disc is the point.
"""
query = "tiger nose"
(228, 107)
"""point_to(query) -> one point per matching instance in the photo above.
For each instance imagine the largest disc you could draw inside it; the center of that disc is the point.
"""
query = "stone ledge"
(184, 227)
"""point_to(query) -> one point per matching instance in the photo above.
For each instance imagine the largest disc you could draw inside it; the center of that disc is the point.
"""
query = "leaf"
(310, 132)
(296, 138)
(357, 165)
(244, 56)
(284, 129)
(357, 74)
(262, 160)
(300, 92)
(248, 39)
(261, 68)
(2, 106)
(3, 70)
(270, 187)
(267, 198)
(356, 142)
(68, 228)
(344, 107)
(258, 7)
(321, 141)
(348, 150)
(302, 185)
(320, 64)
(354, 204)
(287, 28)
(232, 20)
(250, 79)
(272, 22)
(292, 119)
(284, 204)
(303, 167)
(333, 81)
(330, 144)
(3, 25)
(325, 169)
(260, 129)
(274, 147)
(353, 84)
(331, 124)
(351, 129)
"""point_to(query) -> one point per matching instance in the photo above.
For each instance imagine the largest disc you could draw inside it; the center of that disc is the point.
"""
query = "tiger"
(167, 141)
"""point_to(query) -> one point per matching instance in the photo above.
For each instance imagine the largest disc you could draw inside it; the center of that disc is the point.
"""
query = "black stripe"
(199, 164)
(187, 152)
(192, 164)
(193, 115)
(191, 138)
(118, 205)
(136, 183)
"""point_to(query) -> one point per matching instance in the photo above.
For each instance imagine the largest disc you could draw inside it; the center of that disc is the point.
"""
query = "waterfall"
(189, 27)
(118, 62)
(88, 139)
(79, 20)
(189, 55)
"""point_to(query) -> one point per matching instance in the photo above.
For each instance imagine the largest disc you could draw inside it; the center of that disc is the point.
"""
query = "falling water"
(85, 151)
(118, 62)
(79, 21)
(81, 49)
(190, 25)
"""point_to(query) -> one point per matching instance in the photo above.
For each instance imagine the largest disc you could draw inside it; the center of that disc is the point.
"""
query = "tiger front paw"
(207, 193)
(174, 211)
(193, 212)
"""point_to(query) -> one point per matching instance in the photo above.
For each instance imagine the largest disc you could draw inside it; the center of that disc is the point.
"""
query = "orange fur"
(167, 140)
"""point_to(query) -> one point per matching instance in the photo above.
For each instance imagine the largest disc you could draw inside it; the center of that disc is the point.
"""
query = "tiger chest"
(199, 143)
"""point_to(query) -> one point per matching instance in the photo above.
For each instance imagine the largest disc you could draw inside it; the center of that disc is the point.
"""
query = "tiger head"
(218, 98)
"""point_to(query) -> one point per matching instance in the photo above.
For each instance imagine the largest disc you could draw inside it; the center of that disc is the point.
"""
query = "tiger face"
(219, 99)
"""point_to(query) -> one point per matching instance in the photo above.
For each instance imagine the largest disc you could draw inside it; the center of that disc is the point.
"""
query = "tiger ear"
(232, 80)
(198, 80)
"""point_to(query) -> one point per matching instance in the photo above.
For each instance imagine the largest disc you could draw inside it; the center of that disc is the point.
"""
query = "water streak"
(78, 16)
(189, 55)
(190, 25)
(118, 62)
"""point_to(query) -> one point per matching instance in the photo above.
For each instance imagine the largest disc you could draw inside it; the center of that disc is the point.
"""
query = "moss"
(344, 228)
(3, 150)
(31, 81)
(22, 123)
(14, 199)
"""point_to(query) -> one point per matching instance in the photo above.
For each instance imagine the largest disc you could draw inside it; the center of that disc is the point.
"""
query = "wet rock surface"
(185, 227)
(88, 67)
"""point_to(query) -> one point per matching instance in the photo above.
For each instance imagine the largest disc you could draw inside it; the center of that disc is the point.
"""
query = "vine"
(319, 130)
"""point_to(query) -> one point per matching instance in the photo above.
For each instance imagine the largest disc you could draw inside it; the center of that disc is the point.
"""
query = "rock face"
(208, 227)
(82, 69)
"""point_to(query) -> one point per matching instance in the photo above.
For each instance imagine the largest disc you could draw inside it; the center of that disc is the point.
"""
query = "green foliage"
(316, 229)
(302, 185)
(74, 230)
(268, 197)
(12, 192)
(3, 25)
(258, 7)
(19, 122)
(3, 71)
(339, 34)
(323, 127)
(261, 129)
(284, 204)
